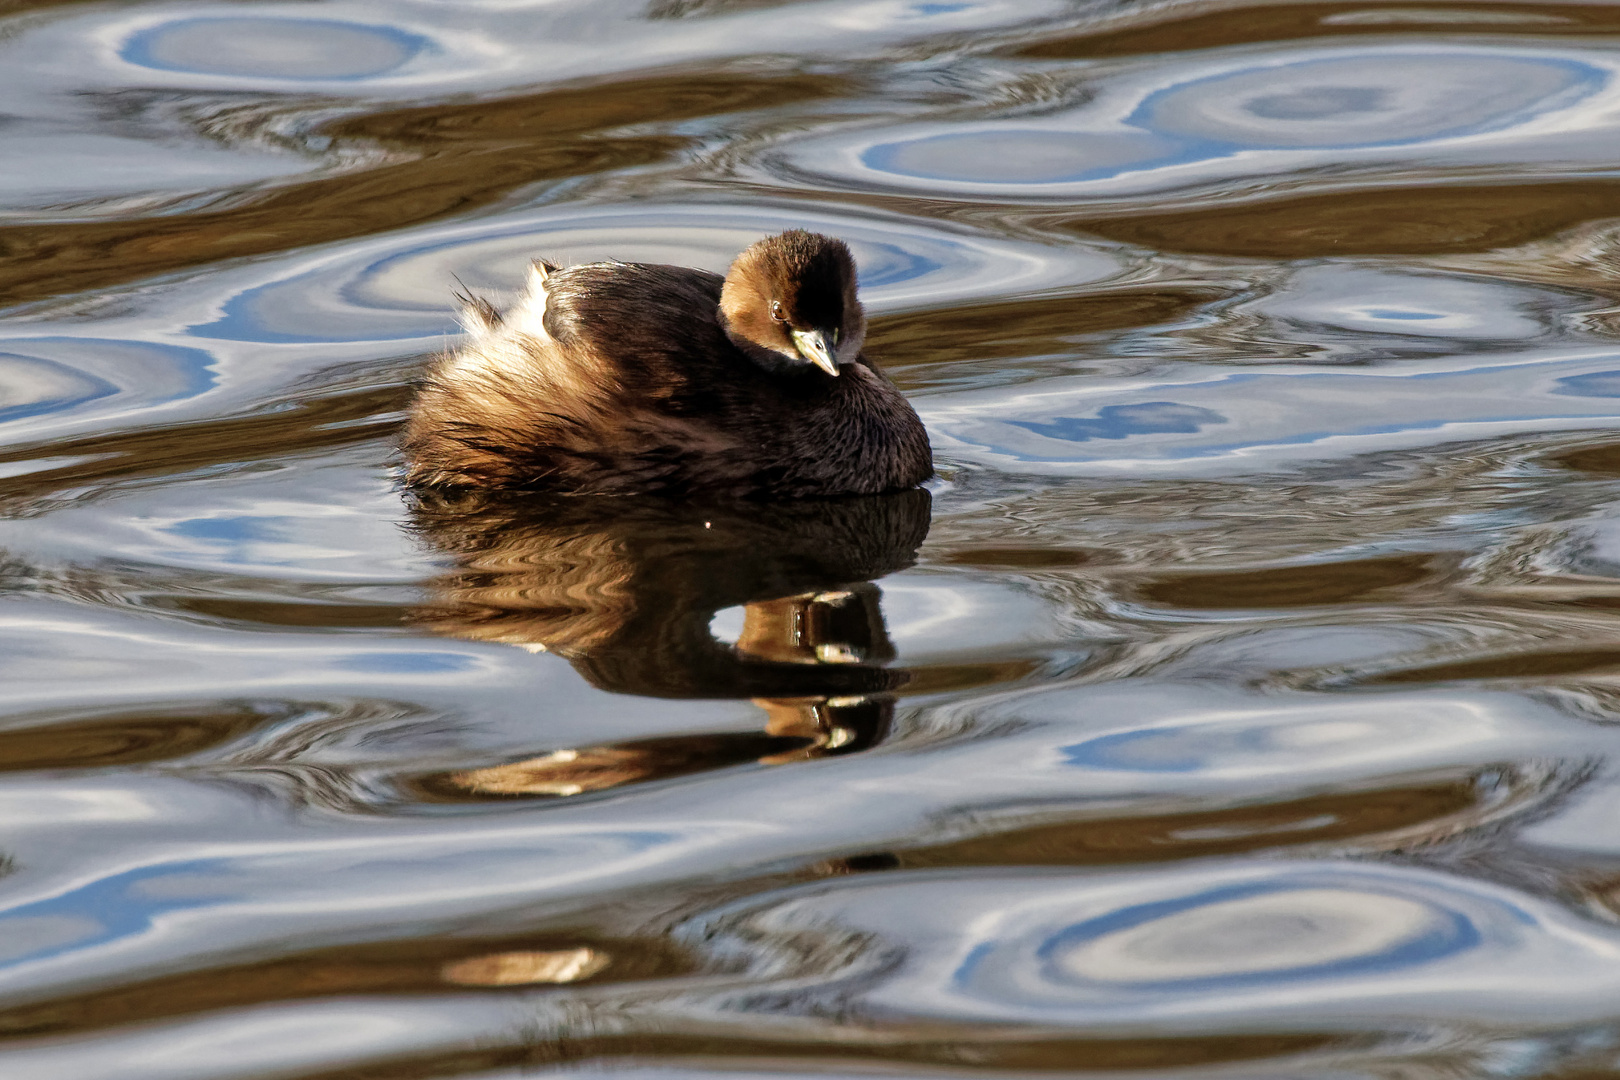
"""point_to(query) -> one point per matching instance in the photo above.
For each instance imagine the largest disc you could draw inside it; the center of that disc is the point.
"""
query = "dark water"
(1240, 701)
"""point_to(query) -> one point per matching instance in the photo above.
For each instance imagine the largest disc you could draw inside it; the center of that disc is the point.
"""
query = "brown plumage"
(626, 378)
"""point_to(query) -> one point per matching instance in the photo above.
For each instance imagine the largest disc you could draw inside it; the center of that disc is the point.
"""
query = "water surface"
(1239, 700)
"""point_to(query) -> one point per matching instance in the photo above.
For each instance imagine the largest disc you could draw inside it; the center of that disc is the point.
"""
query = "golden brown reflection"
(17, 7)
(562, 773)
(1352, 581)
(1603, 459)
(466, 155)
(966, 675)
(433, 965)
(1287, 22)
(130, 739)
(1414, 220)
(1599, 890)
(1019, 558)
(310, 614)
(625, 590)
(1016, 328)
(526, 967)
(1360, 815)
(796, 729)
(1546, 664)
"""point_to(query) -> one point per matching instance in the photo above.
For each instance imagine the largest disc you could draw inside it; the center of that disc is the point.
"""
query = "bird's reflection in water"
(626, 591)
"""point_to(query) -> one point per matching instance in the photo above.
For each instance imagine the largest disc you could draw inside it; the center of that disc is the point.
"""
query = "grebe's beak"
(816, 347)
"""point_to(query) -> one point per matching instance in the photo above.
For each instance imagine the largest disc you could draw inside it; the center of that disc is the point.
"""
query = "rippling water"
(1240, 700)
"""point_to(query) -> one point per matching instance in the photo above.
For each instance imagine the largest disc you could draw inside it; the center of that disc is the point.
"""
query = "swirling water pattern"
(1239, 699)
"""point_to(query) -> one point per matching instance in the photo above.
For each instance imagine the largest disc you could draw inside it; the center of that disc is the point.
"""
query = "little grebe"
(625, 378)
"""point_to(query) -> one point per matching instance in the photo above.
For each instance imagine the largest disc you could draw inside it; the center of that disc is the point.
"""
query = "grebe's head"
(789, 303)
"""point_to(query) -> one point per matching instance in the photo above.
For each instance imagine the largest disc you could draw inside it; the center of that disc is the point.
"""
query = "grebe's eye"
(776, 311)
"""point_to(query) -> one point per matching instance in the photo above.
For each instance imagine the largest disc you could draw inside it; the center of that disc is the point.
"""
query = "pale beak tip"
(816, 347)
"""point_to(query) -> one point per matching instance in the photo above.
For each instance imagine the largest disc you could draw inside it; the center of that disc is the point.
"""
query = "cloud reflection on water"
(1245, 709)
(1229, 117)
